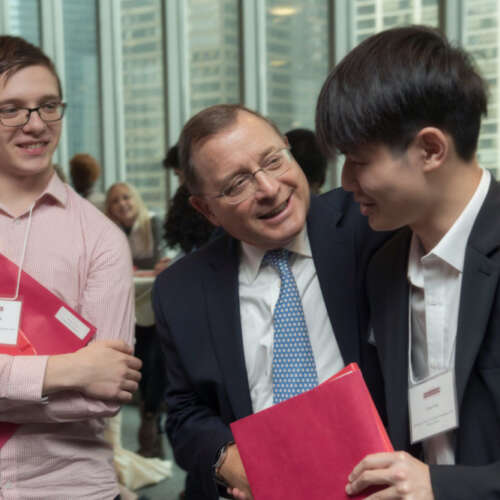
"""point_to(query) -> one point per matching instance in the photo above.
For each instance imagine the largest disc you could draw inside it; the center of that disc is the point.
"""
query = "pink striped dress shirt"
(76, 252)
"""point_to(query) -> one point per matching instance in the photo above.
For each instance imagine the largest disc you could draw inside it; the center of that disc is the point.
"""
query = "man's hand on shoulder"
(405, 477)
(105, 369)
(233, 473)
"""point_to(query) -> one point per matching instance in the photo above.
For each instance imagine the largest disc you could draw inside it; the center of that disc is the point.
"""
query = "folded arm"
(93, 381)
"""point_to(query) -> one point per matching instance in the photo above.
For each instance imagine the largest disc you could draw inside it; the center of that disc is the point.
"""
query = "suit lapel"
(332, 249)
(479, 284)
(223, 312)
(388, 295)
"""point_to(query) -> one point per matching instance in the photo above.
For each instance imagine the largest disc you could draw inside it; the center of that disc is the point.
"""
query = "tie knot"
(278, 259)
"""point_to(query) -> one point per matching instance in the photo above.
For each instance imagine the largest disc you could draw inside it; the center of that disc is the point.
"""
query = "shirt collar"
(251, 256)
(55, 189)
(451, 247)
(415, 275)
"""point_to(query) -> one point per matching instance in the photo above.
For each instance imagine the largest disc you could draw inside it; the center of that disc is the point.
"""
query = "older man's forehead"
(254, 131)
(245, 115)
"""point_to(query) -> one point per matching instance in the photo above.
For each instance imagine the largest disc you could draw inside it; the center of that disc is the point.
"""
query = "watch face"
(221, 456)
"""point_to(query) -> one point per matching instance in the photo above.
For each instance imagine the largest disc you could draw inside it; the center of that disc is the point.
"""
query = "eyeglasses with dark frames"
(17, 116)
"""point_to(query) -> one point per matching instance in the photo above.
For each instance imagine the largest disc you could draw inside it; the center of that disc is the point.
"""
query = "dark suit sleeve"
(195, 431)
(367, 242)
(462, 482)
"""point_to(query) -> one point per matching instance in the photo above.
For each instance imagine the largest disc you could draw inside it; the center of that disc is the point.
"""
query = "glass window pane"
(143, 61)
(24, 19)
(213, 52)
(481, 39)
(82, 90)
(297, 60)
(372, 16)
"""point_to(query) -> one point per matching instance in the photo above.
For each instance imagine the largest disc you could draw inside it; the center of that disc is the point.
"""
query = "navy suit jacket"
(477, 364)
(197, 312)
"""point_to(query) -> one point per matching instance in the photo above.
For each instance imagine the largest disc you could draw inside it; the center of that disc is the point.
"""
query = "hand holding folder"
(306, 447)
(48, 326)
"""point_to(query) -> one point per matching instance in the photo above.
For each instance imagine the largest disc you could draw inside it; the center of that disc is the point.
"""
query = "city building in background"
(27, 26)
(213, 53)
(143, 72)
(81, 78)
(481, 37)
(298, 60)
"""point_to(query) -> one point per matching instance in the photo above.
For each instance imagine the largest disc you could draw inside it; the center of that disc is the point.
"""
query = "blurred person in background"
(305, 150)
(126, 208)
(84, 170)
(185, 228)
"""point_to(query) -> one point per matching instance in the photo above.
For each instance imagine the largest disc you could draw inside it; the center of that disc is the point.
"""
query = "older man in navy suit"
(217, 308)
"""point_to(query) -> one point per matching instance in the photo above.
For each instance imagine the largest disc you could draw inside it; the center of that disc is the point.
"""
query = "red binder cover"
(305, 447)
(47, 326)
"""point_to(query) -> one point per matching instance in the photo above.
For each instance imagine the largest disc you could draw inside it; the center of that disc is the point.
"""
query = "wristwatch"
(221, 457)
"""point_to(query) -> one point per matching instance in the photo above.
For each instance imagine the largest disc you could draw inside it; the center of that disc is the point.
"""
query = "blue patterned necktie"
(294, 369)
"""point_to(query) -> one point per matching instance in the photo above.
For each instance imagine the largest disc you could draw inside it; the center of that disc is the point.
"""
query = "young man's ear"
(433, 146)
(200, 204)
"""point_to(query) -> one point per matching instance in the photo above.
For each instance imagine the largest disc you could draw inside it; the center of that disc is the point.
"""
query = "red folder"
(47, 326)
(306, 447)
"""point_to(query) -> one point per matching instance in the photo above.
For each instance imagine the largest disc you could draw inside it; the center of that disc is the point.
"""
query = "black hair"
(395, 83)
(305, 149)
(184, 225)
(172, 158)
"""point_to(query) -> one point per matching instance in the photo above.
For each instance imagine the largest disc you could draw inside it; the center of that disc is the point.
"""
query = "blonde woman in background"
(126, 208)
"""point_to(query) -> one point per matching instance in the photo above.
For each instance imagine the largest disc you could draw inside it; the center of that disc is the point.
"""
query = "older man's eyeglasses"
(243, 186)
(15, 116)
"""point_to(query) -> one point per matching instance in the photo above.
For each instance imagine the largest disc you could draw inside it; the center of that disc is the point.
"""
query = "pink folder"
(48, 325)
(305, 447)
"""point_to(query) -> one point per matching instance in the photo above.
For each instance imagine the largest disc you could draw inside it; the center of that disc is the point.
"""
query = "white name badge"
(433, 407)
(10, 314)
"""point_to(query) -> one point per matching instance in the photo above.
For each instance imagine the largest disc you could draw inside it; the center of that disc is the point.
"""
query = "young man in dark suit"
(405, 108)
(215, 308)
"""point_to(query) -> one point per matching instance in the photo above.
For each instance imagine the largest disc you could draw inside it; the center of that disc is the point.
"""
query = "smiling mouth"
(33, 146)
(275, 211)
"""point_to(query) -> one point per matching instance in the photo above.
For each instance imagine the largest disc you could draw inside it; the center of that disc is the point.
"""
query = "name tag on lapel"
(433, 407)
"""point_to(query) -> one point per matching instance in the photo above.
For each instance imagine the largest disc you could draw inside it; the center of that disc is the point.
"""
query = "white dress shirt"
(259, 289)
(436, 281)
